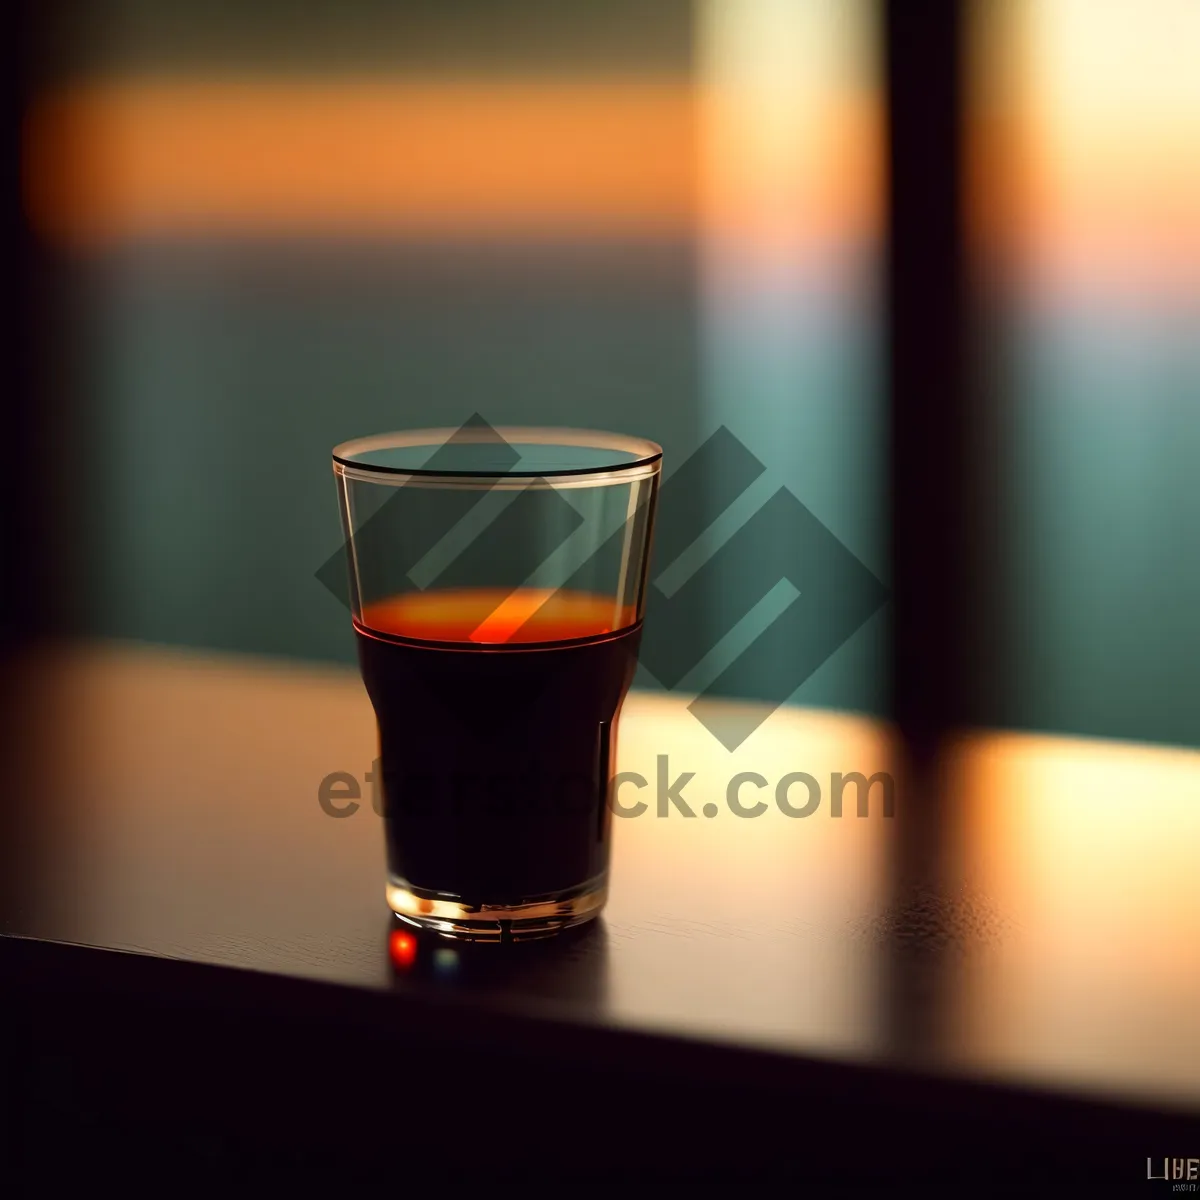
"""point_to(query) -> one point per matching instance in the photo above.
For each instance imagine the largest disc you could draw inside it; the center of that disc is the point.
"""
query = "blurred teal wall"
(1101, 429)
(219, 378)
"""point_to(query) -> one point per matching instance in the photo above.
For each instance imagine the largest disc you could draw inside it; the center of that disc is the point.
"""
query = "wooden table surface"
(167, 805)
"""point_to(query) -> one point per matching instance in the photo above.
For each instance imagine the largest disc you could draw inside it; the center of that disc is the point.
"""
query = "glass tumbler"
(497, 584)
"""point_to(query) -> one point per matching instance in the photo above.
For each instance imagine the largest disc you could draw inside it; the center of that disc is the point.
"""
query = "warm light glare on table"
(1083, 969)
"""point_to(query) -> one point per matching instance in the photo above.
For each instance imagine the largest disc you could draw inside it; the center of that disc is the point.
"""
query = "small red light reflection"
(403, 949)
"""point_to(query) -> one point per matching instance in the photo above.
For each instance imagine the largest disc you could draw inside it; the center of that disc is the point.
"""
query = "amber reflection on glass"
(497, 616)
(1089, 850)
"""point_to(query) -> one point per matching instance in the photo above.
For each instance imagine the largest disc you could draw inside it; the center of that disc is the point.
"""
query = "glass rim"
(646, 454)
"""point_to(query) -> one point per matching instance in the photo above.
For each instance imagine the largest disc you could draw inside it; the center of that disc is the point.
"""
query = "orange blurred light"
(1089, 849)
(1085, 125)
(792, 127)
(117, 160)
(121, 159)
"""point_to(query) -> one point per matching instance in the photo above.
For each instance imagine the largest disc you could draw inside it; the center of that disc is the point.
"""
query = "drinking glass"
(497, 584)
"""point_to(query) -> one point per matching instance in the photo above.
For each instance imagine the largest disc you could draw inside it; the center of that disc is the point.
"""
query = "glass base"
(536, 917)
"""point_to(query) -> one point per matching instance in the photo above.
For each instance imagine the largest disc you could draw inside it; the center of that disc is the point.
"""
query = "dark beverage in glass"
(497, 703)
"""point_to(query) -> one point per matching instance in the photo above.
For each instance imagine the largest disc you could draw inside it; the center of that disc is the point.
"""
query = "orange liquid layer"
(494, 616)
